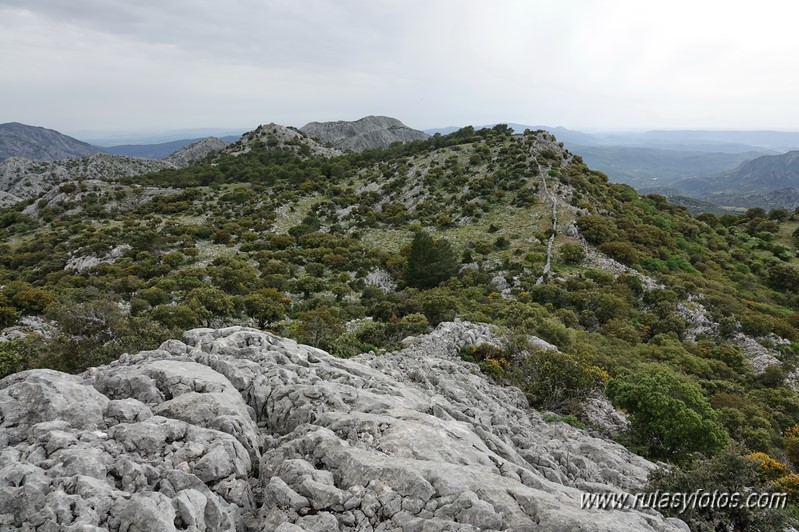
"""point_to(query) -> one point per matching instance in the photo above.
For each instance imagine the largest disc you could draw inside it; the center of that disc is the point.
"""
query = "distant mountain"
(277, 136)
(763, 174)
(368, 132)
(158, 151)
(768, 181)
(105, 138)
(23, 178)
(694, 205)
(196, 151)
(650, 167)
(40, 144)
(149, 151)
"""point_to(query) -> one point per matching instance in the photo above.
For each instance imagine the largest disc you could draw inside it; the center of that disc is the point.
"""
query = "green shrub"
(730, 472)
(670, 418)
(571, 253)
(557, 381)
(13, 357)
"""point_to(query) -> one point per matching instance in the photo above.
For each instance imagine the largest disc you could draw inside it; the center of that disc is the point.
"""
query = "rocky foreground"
(237, 429)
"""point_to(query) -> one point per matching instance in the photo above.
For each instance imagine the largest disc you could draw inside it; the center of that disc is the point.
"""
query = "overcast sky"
(154, 65)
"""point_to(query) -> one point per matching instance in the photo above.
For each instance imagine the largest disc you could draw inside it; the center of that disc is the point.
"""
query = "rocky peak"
(368, 132)
(196, 151)
(238, 429)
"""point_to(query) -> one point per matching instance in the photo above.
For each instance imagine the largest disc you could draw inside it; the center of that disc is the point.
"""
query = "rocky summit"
(238, 429)
(367, 133)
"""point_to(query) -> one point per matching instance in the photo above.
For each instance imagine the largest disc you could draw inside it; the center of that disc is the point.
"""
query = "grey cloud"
(316, 33)
(588, 63)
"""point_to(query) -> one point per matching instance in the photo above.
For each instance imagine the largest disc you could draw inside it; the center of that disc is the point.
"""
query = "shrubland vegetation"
(356, 252)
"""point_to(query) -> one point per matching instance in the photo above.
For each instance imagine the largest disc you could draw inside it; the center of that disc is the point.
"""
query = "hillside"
(22, 179)
(276, 136)
(769, 181)
(597, 299)
(39, 144)
(195, 151)
(654, 159)
(25, 179)
(761, 175)
(367, 133)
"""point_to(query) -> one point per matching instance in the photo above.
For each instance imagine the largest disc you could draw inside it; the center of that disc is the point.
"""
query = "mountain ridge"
(39, 143)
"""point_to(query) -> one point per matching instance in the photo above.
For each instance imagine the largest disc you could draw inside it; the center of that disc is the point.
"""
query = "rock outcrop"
(237, 429)
(196, 151)
(38, 143)
(69, 196)
(368, 132)
(24, 178)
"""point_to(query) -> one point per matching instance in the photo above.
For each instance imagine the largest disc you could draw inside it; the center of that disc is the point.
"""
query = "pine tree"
(430, 262)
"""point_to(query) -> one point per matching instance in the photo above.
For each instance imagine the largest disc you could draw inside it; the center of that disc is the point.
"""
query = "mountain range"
(454, 333)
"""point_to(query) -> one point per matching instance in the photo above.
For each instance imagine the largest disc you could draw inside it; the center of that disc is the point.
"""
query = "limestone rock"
(368, 132)
(238, 429)
(25, 178)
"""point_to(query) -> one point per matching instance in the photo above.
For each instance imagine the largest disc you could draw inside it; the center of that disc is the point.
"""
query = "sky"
(82, 66)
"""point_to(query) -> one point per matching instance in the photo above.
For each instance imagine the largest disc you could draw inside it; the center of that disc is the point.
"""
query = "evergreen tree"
(430, 262)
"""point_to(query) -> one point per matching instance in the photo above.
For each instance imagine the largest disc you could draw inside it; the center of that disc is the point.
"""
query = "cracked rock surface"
(238, 429)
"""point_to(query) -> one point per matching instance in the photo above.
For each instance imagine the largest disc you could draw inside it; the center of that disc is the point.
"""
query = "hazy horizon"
(152, 136)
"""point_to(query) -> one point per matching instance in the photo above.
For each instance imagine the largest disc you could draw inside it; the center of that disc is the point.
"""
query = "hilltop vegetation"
(355, 252)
